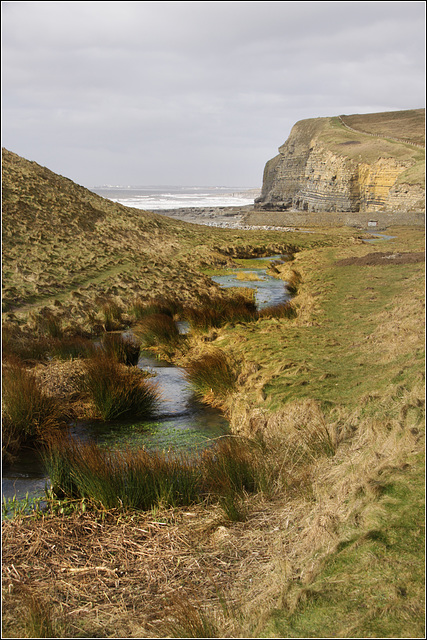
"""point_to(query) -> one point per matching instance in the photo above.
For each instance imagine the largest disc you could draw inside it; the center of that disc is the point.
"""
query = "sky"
(195, 93)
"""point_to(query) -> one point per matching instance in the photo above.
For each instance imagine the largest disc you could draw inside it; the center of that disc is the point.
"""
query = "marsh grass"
(212, 376)
(48, 324)
(217, 311)
(23, 346)
(189, 619)
(293, 282)
(124, 349)
(165, 306)
(29, 415)
(158, 330)
(71, 347)
(40, 621)
(117, 391)
(282, 310)
(112, 315)
(141, 479)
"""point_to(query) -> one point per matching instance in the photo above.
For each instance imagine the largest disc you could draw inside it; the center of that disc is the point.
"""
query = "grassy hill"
(68, 249)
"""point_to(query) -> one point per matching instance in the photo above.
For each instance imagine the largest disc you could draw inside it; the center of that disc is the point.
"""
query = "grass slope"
(65, 248)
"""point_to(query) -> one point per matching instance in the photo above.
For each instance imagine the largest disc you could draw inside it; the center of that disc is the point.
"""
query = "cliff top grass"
(375, 136)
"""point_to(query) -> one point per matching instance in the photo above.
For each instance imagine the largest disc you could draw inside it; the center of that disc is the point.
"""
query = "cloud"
(195, 92)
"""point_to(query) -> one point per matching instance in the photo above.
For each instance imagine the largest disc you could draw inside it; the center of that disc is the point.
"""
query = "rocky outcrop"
(325, 167)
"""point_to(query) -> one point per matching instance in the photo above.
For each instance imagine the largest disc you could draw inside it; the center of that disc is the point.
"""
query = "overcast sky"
(195, 93)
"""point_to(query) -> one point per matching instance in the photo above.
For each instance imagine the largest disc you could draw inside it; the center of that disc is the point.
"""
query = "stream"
(182, 421)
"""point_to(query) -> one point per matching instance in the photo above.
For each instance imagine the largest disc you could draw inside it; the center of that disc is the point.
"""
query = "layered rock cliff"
(326, 165)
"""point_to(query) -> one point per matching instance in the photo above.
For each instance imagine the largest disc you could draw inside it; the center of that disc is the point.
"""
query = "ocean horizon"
(155, 198)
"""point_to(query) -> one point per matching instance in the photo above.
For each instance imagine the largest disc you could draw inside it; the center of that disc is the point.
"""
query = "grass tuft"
(212, 376)
(119, 392)
(217, 311)
(141, 479)
(123, 349)
(158, 329)
(28, 413)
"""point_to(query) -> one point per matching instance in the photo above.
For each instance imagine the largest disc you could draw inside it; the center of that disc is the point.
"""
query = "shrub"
(119, 392)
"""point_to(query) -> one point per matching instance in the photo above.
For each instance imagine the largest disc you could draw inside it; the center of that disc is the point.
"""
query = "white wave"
(174, 200)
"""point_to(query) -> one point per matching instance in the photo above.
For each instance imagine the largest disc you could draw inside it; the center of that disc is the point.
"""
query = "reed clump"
(158, 330)
(23, 346)
(166, 306)
(293, 281)
(47, 323)
(212, 376)
(123, 349)
(71, 348)
(118, 392)
(282, 310)
(29, 415)
(141, 479)
(112, 315)
(217, 311)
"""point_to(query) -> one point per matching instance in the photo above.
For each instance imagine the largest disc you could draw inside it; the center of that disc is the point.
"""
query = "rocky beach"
(224, 217)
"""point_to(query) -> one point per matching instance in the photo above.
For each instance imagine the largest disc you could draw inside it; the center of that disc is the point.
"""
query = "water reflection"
(269, 291)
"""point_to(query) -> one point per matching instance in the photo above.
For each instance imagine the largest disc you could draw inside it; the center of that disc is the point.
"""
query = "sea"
(157, 198)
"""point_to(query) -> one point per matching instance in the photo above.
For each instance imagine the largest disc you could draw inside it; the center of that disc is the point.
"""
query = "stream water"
(182, 421)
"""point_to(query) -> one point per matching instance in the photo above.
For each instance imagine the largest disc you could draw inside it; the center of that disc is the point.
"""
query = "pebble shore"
(223, 217)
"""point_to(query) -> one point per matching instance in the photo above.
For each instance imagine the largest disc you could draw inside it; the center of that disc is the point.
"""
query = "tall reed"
(124, 349)
(28, 413)
(216, 311)
(158, 329)
(163, 305)
(71, 347)
(281, 310)
(141, 479)
(117, 391)
(112, 314)
(129, 479)
(212, 376)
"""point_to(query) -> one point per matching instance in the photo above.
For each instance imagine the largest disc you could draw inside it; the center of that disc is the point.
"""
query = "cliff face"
(326, 166)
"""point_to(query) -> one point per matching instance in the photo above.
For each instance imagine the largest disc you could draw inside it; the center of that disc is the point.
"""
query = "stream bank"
(182, 421)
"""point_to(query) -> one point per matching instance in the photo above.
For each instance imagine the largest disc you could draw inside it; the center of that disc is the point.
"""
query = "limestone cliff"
(328, 165)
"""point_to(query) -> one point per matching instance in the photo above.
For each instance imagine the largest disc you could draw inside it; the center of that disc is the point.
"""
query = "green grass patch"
(372, 586)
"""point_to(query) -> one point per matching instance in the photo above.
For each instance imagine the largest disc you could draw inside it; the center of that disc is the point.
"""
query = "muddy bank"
(388, 257)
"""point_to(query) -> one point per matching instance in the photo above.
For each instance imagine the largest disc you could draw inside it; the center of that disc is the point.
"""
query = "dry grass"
(180, 573)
